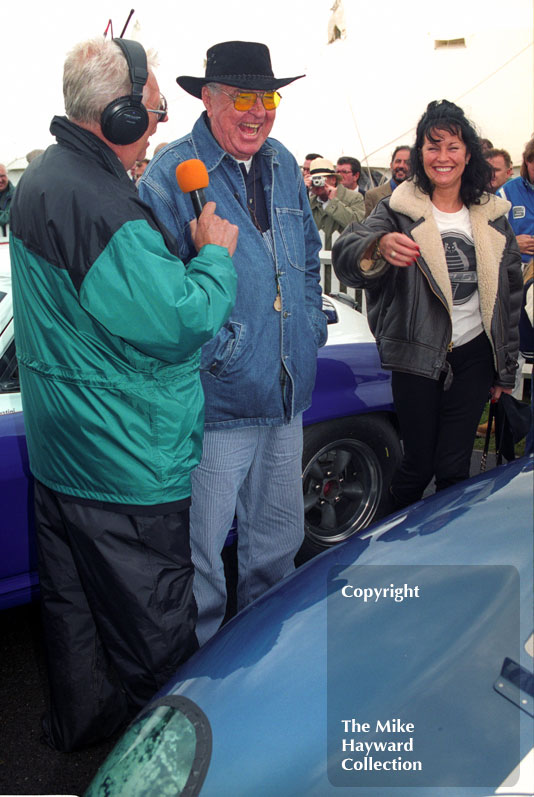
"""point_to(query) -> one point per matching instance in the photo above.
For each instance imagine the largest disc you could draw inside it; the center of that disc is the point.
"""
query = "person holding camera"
(333, 206)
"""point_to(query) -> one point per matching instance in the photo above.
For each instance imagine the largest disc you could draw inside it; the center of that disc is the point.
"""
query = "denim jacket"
(260, 368)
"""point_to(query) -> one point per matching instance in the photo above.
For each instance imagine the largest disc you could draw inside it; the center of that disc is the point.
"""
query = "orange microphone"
(192, 178)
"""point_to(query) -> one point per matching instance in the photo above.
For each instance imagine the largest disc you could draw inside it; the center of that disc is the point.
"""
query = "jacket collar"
(86, 143)
(6, 195)
(410, 200)
(8, 190)
(489, 242)
(209, 150)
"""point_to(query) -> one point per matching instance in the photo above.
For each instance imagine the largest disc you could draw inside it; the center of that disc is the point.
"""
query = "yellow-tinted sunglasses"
(246, 100)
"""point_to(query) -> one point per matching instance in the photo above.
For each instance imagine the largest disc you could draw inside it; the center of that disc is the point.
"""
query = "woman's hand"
(398, 249)
(497, 391)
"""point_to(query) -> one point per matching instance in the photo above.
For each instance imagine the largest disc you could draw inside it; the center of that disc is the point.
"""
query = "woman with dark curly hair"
(441, 269)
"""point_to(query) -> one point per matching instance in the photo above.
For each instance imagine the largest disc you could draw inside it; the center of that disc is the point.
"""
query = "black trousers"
(438, 426)
(118, 609)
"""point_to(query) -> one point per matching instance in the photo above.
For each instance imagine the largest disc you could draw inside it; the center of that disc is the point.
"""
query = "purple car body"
(350, 445)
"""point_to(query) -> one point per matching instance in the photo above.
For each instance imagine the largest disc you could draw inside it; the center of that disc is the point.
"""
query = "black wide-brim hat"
(245, 65)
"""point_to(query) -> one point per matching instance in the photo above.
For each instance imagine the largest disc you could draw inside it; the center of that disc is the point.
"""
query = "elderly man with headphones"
(109, 324)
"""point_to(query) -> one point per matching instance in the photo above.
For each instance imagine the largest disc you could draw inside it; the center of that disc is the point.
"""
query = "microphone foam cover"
(192, 175)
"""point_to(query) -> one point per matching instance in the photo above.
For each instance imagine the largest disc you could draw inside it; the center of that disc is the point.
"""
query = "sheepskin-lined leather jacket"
(410, 309)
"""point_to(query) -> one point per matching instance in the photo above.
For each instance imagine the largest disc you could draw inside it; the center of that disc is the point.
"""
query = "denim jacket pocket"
(219, 352)
(292, 231)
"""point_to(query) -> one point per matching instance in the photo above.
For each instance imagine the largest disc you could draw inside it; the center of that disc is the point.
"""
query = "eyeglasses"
(162, 110)
(246, 100)
(344, 171)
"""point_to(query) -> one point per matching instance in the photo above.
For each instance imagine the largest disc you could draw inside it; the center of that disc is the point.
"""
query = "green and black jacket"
(108, 327)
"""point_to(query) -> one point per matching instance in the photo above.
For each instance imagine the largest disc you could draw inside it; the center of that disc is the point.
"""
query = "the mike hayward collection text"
(374, 594)
(353, 744)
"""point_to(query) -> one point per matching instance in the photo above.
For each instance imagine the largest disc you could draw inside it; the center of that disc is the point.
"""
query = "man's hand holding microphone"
(211, 229)
(207, 228)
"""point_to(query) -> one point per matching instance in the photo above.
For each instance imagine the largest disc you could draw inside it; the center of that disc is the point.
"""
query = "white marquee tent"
(362, 94)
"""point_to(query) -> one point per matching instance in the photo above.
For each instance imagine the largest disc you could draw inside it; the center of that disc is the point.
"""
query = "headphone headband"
(136, 59)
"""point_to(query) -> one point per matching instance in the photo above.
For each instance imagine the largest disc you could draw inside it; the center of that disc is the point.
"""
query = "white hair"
(95, 73)
(213, 88)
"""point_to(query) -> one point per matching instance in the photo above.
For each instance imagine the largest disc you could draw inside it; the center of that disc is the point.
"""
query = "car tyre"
(347, 468)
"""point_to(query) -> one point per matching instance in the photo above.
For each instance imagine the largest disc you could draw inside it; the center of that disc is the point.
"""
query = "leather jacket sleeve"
(352, 244)
(505, 322)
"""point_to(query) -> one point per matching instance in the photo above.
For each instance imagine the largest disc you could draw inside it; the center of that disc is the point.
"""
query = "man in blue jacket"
(520, 193)
(259, 372)
(108, 326)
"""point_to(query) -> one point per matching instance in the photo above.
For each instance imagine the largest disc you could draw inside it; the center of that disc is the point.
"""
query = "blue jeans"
(256, 473)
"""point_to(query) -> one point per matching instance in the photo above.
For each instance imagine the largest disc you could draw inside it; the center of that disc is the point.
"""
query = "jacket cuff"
(373, 267)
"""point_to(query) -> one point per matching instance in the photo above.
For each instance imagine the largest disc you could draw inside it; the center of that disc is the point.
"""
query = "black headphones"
(125, 119)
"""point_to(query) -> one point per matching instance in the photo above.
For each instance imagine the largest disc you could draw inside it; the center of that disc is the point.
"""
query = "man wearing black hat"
(259, 371)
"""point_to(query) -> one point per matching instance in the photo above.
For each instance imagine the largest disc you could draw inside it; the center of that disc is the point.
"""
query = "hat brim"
(193, 85)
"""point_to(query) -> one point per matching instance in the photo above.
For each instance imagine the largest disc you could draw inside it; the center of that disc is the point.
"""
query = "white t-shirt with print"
(457, 237)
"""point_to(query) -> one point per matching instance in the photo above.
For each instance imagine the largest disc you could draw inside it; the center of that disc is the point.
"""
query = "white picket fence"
(330, 283)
